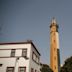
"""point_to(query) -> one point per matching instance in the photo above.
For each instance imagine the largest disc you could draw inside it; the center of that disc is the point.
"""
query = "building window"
(1, 65)
(35, 58)
(10, 69)
(22, 69)
(12, 52)
(35, 70)
(24, 52)
(32, 70)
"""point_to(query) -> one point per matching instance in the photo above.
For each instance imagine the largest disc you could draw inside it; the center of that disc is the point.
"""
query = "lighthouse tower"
(54, 46)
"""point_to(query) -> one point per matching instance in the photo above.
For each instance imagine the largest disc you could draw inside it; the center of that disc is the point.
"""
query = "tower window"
(55, 58)
(55, 67)
(12, 52)
(54, 33)
(54, 49)
(54, 41)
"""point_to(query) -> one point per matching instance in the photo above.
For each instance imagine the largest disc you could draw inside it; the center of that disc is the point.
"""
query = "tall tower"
(54, 46)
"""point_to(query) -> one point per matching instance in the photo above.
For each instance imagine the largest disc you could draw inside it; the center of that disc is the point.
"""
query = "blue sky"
(30, 19)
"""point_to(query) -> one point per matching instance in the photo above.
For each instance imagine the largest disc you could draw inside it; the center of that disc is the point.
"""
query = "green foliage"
(46, 68)
(67, 67)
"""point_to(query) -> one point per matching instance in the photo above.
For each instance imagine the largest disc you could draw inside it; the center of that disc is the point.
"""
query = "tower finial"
(53, 20)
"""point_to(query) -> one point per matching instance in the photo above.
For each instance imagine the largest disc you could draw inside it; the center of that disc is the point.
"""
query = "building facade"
(19, 57)
(54, 46)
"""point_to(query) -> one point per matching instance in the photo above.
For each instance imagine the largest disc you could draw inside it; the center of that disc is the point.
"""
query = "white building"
(19, 57)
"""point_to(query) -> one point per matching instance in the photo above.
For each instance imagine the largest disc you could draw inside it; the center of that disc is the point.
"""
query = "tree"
(46, 68)
(67, 67)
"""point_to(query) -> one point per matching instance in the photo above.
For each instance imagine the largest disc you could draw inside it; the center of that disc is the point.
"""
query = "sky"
(22, 20)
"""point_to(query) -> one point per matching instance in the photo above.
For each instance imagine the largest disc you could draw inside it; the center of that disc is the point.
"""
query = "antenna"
(53, 20)
(1, 26)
